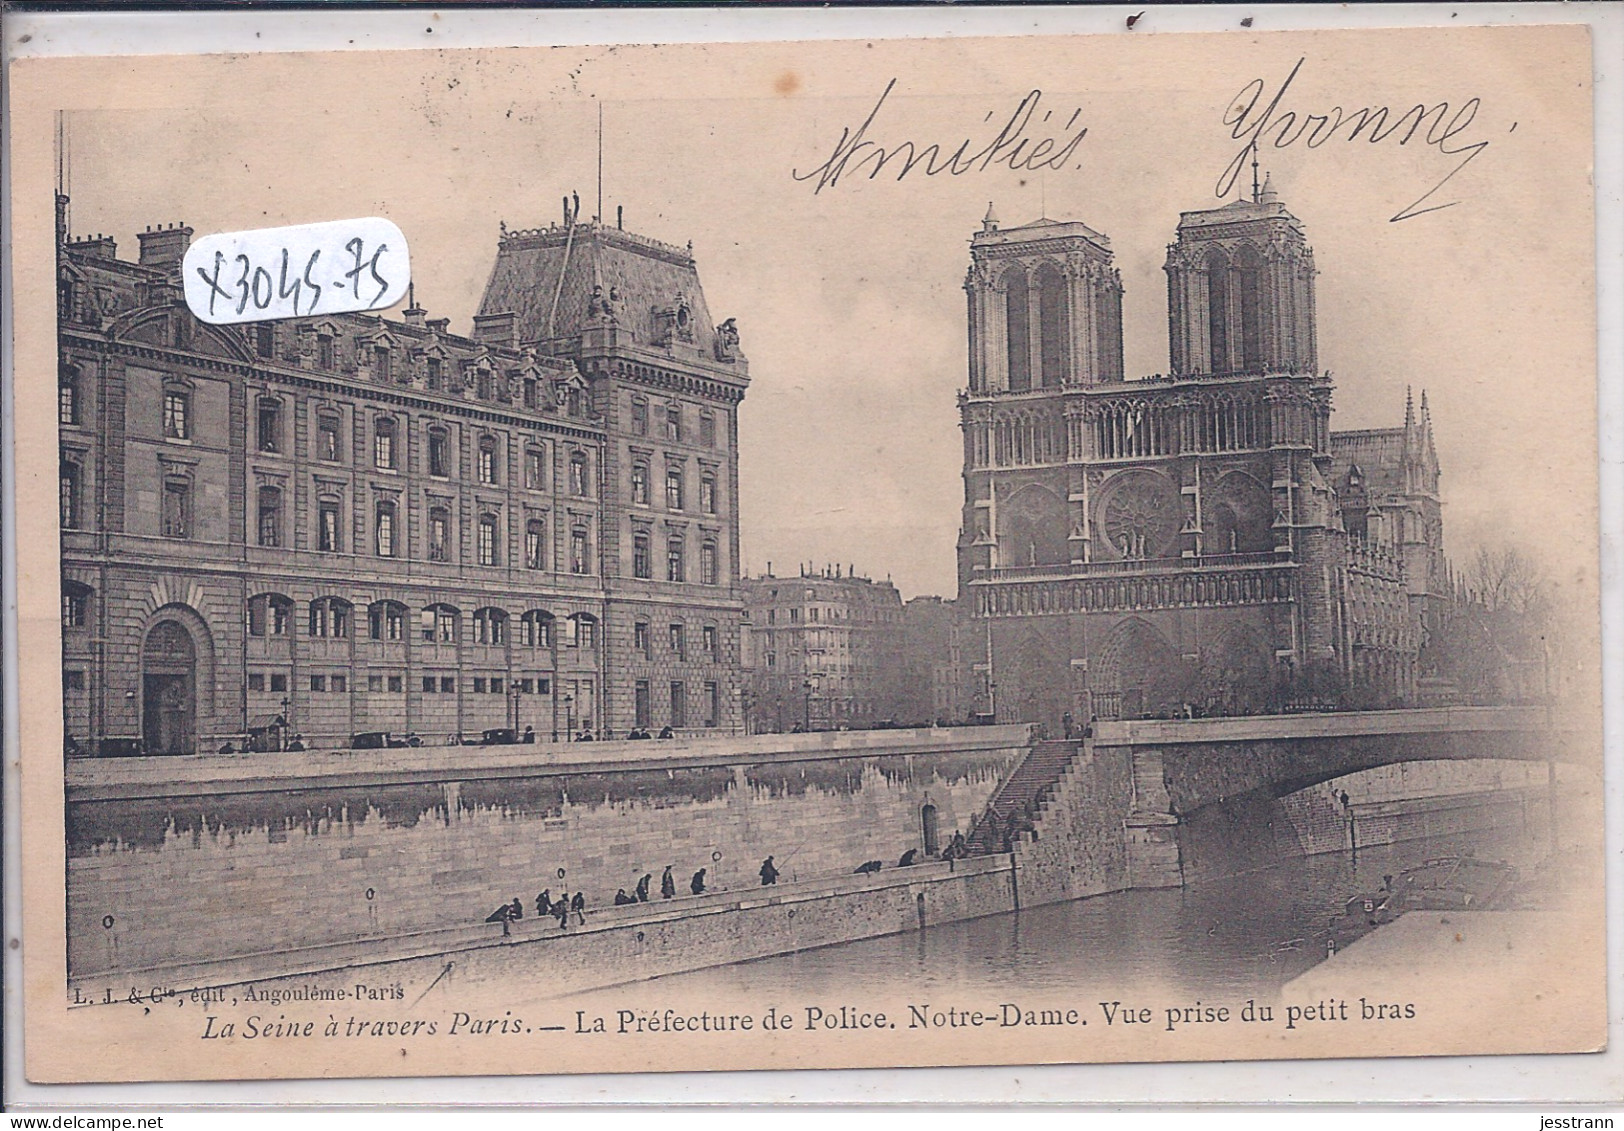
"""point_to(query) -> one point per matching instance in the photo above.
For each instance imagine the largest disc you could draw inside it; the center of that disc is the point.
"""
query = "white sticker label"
(328, 268)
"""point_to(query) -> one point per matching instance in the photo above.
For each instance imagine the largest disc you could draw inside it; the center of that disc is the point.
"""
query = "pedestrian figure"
(561, 910)
(867, 868)
(697, 884)
(769, 874)
(668, 884)
(959, 848)
(578, 905)
(530, 734)
(544, 904)
(667, 732)
(622, 899)
(908, 858)
(515, 909)
(501, 915)
(642, 887)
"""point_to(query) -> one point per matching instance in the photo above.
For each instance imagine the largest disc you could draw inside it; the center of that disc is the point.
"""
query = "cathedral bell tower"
(1240, 291)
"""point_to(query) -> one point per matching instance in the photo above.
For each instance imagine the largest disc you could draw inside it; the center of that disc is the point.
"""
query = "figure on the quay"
(668, 884)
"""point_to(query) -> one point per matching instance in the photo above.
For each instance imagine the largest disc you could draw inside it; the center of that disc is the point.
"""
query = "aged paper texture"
(933, 552)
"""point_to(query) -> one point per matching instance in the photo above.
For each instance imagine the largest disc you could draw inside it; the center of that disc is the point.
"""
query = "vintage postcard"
(823, 554)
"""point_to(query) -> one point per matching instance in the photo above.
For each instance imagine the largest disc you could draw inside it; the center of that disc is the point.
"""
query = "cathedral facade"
(329, 525)
(1199, 541)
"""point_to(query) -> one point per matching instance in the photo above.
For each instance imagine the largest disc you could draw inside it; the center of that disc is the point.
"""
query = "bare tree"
(1510, 580)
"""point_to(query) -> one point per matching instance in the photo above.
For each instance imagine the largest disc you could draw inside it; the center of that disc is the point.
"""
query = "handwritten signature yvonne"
(1290, 126)
(1011, 146)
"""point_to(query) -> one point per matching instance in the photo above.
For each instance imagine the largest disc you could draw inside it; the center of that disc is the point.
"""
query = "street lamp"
(513, 694)
(569, 717)
(287, 723)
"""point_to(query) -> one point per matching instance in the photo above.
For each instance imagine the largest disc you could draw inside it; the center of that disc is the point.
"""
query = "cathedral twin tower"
(1132, 545)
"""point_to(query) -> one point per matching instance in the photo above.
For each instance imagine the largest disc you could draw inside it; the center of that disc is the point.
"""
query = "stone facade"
(1179, 542)
(826, 651)
(348, 523)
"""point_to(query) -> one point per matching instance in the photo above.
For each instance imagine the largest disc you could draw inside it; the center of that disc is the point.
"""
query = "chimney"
(439, 325)
(413, 313)
(165, 247)
(497, 329)
(97, 246)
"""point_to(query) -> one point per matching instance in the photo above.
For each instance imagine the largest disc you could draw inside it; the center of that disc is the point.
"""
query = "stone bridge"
(1222, 776)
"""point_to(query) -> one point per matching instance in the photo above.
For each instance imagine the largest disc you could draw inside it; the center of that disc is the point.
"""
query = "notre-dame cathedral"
(1200, 541)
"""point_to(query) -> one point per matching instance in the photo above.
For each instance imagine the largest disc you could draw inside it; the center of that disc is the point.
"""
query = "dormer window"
(380, 363)
(325, 351)
(436, 374)
(265, 340)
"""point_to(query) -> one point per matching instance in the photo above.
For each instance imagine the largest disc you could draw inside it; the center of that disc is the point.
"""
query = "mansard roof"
(547, 276)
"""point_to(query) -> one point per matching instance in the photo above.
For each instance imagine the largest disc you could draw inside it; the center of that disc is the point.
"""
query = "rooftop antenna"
(599, 216)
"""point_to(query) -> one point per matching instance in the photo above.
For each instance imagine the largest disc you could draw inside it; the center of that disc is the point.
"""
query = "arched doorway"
(928, 830)
(1139, 674)
(169, 690)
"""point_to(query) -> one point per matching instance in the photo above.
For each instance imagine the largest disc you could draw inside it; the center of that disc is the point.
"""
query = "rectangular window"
(256, 681)
(708, 638)
(73, 679)
(439, 459)
(177, 509)
(380, 363)
(679, 704)
(487, 463)
(318, 683)
(448, 685)
(324, 351)
(496, 686)
(383, 447)
(386, 531)
(177, 416)
(265, 340)
(673, 489)
(535, 542)
(643, 716)
(270, 426)
(673, 422)
(707, 495)
(640, 417)
(578, 555)
(279, 683)
(374, 683)
(327, 439)
(428, 685)
(67, 399)
(327, 526)
(713, 704)
(436, 369)
(487, 541)
(341, 683)
(640, 639)
(524, 686)
(641, 567)
(446, 627)
(673, 561)
(70, 495)
(544, 687)
(397, 683)
(439, 536)
(73, 610)
(679, 642)
(479, 685)
(534, 480)
(707, 430)
(270, 516)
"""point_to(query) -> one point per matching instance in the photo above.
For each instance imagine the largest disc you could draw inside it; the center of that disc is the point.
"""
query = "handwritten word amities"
(266, 273)
(1258, 123)
(1017, 144)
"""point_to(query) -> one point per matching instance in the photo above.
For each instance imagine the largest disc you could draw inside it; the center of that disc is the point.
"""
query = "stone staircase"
(1019, 800)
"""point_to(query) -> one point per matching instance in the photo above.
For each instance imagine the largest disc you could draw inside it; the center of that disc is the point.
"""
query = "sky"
(848, 297)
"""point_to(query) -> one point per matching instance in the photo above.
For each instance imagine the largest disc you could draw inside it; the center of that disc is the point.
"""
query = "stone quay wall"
(166, 881)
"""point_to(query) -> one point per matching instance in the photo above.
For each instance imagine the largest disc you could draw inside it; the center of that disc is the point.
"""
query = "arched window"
(439, 534)
(384, 526)
(707, 563)
(439, 624)
(269, 614)
(1218, 310)
(673, 488)
(641, 564)
(487, 540)
(1054, 327)
(330, 617)
(536, 629)
(268, 431)
(487, 460)
(640, 484)
(383, 443)
(69, 495)
(270, 516)
(1015, 325)
(490, 626)
(439, 452)
(67, 396)
(578, 482)
(1250, 280)
(675, 569)
(535, 544)
(386, 620)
